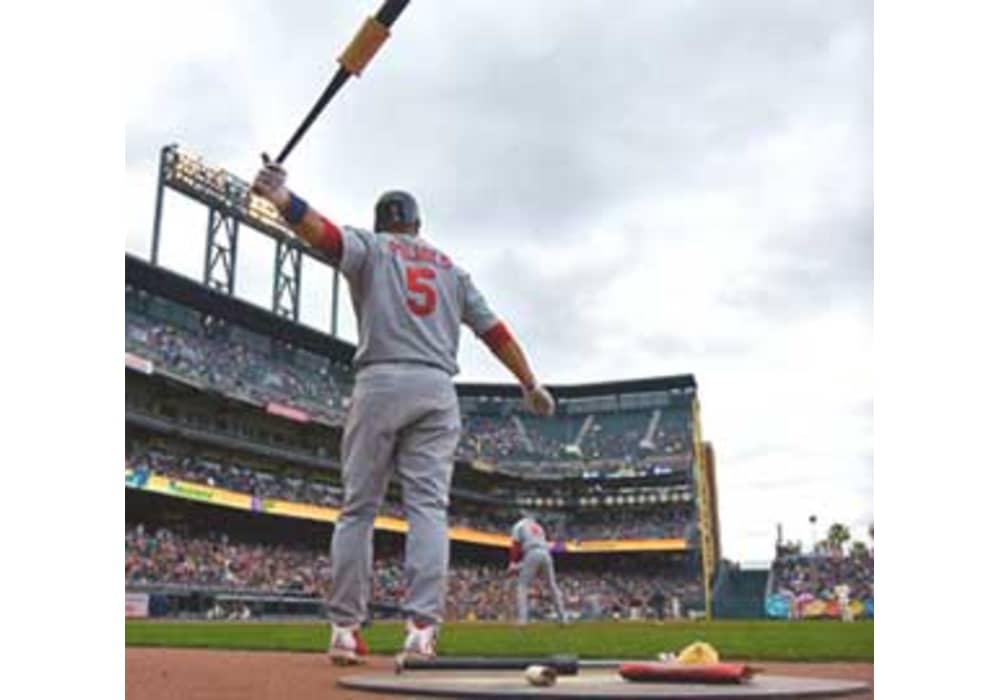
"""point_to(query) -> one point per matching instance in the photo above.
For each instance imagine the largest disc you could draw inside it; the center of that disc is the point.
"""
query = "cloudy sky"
(641, 188)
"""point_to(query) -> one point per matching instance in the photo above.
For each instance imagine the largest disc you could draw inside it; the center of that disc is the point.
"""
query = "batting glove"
(270, 184)
(538, 400)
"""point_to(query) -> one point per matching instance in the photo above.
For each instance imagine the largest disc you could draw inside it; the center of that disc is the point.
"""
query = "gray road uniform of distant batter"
(535, 560)
(409, 301)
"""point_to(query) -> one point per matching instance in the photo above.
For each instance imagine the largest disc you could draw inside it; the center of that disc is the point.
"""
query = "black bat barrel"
(563, 664)
(392, 9)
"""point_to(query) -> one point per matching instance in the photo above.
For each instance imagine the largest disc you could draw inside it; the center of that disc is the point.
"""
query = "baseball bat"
(355, 57)
(564, 664)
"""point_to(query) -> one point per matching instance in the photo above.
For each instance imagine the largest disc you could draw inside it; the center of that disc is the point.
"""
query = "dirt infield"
(155, 674)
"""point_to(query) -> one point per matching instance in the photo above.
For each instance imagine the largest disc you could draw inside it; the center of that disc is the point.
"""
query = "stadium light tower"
(230, 204)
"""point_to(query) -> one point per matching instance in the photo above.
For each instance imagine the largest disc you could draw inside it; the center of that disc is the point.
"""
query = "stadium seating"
(617, 434)
(233, 360)
(243, 364)
(205, 437)
(211, 562)
(185, 461)
(572, 443)
(673, 435)
(818, 575)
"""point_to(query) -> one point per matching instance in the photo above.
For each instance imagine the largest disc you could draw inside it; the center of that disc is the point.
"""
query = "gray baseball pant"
(537, 560)
(403, 418)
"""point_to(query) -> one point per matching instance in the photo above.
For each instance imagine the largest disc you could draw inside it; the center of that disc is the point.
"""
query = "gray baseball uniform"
(535, 560)
(410, 301)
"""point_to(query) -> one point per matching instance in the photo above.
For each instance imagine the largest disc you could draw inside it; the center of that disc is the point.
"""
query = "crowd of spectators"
(304, 487)
(818, 575)
(164, 556)
(214, 357)
(477, 517)
(233, 476)
(663, 522)
(609, 438)
(493, 437)
(672, 436)
(621, 437)
(262, 371)
(228, 474)
(475, 591)
(548, 439)
(483, 592)
(499, 439)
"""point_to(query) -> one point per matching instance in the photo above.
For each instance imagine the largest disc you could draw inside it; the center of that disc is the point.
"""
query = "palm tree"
(859, 549)
(837, 535)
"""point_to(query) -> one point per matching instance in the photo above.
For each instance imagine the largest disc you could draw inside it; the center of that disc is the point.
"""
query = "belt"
(418, 363)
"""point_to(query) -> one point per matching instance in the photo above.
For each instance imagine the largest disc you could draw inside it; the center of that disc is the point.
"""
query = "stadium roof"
(183, 290)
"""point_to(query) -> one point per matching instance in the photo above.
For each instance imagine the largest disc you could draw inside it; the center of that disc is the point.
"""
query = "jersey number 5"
(421, 298)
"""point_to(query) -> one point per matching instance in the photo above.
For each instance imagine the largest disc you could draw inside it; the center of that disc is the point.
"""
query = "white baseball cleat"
(421, 640)
(347, 648)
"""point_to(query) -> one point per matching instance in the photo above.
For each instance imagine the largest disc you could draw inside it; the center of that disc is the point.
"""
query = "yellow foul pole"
(705, 525)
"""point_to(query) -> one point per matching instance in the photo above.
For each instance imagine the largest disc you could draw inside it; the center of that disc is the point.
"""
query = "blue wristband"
(296, 209)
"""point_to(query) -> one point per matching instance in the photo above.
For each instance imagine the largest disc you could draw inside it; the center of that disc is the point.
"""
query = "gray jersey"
(529, 534)
(409, 300)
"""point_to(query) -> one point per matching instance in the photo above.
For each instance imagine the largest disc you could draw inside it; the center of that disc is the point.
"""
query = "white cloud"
(668, 188)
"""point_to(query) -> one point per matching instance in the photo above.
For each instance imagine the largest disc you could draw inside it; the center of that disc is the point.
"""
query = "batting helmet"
(395, 207)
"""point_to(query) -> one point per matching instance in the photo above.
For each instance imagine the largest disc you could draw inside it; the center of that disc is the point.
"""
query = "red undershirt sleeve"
(332, 240)
(497, 336)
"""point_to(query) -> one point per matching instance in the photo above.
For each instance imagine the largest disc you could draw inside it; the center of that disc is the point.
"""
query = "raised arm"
(307, 223)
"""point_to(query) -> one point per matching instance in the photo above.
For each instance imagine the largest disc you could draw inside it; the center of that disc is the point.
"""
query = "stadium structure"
(233, 422)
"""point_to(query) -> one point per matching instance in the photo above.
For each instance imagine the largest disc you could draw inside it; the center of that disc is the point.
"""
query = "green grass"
(803, 640)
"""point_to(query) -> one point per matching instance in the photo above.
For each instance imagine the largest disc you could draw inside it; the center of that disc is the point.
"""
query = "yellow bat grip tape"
(363, 46)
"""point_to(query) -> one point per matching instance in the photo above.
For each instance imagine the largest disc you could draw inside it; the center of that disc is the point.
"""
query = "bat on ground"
(355, 57)
(563, 664)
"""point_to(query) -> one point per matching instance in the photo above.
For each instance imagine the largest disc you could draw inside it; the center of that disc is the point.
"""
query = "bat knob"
(564, 664)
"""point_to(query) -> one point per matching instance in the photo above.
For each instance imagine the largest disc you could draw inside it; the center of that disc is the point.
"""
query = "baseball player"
(530, 557)
(410, 300)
